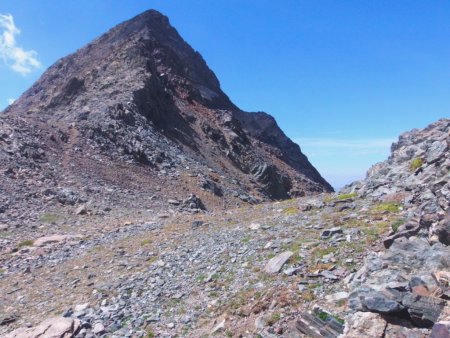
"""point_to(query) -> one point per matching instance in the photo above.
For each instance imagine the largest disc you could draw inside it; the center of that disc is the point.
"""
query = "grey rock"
(275, 264)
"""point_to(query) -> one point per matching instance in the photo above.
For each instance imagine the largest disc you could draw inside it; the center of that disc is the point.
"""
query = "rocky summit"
(137, 201)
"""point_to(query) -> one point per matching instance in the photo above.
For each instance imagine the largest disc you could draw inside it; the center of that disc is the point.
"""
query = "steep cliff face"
(139, 107)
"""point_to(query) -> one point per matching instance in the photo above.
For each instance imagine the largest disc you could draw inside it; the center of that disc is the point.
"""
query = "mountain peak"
(140, 100)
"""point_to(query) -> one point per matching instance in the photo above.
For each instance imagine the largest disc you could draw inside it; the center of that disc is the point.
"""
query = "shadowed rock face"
(139, 95)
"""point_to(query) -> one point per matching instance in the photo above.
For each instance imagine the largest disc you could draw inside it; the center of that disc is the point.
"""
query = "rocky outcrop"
(410, 280)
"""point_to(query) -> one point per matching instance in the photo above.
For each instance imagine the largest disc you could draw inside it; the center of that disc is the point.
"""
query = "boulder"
(41, 241)
(365, 325)
(58, 327)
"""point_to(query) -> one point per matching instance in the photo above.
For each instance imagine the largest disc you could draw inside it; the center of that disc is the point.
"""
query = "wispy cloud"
(11, 101)
(20, 60)
(340, 146)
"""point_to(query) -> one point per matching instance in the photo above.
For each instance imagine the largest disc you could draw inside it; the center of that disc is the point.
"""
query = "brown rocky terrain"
(103, 237)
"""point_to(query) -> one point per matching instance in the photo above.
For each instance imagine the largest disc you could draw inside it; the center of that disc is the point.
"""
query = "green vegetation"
(275, 317)
(290, 211)
(27, 242)
(246, 239)
(49, 218)
(340, 197)
(387, 207)
(200, 278)
(150, 334)
(308, 296)
(325, 317)
(397, 224)
(416, 163)
(346, 196)
(146, 242)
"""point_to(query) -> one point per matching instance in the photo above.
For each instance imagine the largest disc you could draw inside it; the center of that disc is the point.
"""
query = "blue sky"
(342, 78)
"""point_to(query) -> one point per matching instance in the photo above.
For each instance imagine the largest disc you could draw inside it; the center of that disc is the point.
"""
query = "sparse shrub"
(339, 319)
(291, 211)
(397, 224)
(388, 207)
(346, 196)
(416, 163)
(27, 242)
(308, 296)
(275, 317)
(246, 239)
(323, 315)
(150, 334)
(49, 218)
(145, 242)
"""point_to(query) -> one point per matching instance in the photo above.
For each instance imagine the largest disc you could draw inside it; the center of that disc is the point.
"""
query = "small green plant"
(346, 196)
(290, 211)
(275, 317)
(2, 271)
(150, 334)
(49, 218)
(27, 242)
(416, 163)
(146, 242)
(388, 207)
(229, 334)
(339, 319)
(200, 278)
(323, 316)
(246, 239)
(397, 224)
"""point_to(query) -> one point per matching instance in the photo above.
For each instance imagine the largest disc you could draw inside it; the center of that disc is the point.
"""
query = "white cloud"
(19, 60)
(319, 147)
(11, 101)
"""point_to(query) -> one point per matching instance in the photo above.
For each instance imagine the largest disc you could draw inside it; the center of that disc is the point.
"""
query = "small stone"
(255, 226)
(331, 232)
(441, 330)
(98, 328)
(219, 327)
(173, 202)
(82, 210)
(329, 275)
(196, 224)
(337, 297)
(81, 307)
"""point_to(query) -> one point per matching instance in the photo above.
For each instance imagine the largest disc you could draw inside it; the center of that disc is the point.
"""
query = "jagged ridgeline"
(139, 108)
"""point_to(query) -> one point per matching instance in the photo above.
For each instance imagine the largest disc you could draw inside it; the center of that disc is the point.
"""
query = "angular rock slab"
(441, 330)
(41, 241)
(312, 326)
(277, 262)
(58, 327)
(424, 311)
